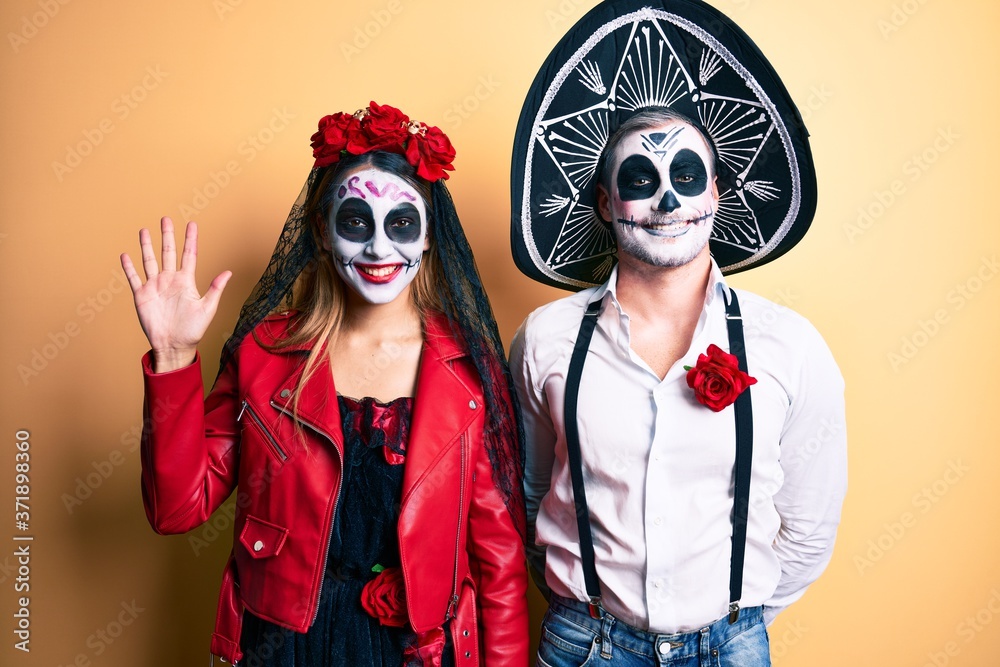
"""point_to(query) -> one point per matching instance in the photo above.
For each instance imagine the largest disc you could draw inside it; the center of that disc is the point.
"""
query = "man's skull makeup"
(377, 231)
(663, 196)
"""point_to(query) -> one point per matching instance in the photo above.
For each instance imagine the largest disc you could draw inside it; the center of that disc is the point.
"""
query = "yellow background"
(157, 99)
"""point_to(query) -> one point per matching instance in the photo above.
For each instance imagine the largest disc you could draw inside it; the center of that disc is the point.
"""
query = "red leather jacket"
(462, 558)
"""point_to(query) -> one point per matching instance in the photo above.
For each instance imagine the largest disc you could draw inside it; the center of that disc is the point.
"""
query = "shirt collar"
(608, 287)
(717, 286)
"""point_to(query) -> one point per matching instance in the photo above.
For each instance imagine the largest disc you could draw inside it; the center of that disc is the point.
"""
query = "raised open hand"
(173, 315)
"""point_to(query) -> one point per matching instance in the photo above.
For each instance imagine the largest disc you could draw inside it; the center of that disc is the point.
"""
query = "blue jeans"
(572, 638)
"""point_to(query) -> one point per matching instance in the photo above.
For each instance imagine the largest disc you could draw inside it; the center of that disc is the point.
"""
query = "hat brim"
(629, 55)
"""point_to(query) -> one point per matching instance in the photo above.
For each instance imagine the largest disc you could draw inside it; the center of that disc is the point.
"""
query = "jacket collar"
(318, 407)
(437, 334)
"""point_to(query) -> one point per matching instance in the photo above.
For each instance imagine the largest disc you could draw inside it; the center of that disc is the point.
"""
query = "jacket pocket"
(249, 415)
(262, 539)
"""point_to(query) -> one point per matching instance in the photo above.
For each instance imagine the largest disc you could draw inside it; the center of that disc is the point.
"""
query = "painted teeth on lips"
(666, 224)
(378, 273)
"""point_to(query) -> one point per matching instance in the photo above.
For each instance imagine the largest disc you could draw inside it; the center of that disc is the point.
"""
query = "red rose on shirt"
(384, 598)
(717, 379)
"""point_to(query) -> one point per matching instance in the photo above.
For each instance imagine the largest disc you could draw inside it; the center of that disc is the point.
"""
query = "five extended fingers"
(169, 259)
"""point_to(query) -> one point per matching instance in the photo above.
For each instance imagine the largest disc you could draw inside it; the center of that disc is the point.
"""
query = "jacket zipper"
(453, 603)
(263, 429)
(336, 500)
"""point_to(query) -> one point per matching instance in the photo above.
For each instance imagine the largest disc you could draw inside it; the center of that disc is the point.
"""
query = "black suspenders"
(741, 472)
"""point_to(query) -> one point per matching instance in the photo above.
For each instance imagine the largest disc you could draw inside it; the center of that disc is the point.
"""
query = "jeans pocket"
(750, 648)
(565, 644)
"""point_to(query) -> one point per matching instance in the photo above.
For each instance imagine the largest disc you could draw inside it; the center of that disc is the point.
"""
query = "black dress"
(363, 541)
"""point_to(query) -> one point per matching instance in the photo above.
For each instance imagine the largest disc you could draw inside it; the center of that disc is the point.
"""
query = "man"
(681, 569)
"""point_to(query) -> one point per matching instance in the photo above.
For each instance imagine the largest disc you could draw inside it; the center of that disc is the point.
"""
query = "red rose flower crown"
(384, 128)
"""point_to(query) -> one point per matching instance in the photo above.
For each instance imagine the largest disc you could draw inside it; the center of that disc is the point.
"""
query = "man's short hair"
(645, 120)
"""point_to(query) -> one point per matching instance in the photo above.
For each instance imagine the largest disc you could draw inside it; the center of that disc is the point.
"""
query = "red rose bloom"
(384, 598)
(717, 379)
(333, 136)
(384, 129)
(431, 153)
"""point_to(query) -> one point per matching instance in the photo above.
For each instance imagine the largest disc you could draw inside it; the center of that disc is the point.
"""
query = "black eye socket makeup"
(688, 176)
(638, 178)
(355, 221)
(402, 224)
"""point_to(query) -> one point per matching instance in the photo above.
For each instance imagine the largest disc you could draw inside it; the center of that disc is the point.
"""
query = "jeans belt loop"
(606, 624)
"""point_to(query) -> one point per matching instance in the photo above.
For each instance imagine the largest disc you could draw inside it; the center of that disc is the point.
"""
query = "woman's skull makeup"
(377, 232)
(663, 195)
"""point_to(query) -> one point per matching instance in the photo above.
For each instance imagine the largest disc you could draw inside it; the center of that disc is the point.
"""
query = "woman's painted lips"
(378, 273)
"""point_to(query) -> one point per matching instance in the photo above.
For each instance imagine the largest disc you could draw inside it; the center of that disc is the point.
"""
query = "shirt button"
(472, 405)
(658, 583)
(285, 393)
(664, 648)
(658, 520)
(258, 545)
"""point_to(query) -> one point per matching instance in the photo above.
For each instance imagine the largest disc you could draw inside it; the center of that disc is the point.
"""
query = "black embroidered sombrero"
(626, 55)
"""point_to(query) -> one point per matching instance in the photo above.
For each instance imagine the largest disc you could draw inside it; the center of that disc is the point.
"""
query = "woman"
(370, 429)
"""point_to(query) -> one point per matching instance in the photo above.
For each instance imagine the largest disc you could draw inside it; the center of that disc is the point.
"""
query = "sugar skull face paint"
(663, 195)
(377, 232)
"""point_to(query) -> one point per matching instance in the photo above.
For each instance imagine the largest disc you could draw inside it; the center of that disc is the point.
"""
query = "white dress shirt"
(658, 466)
